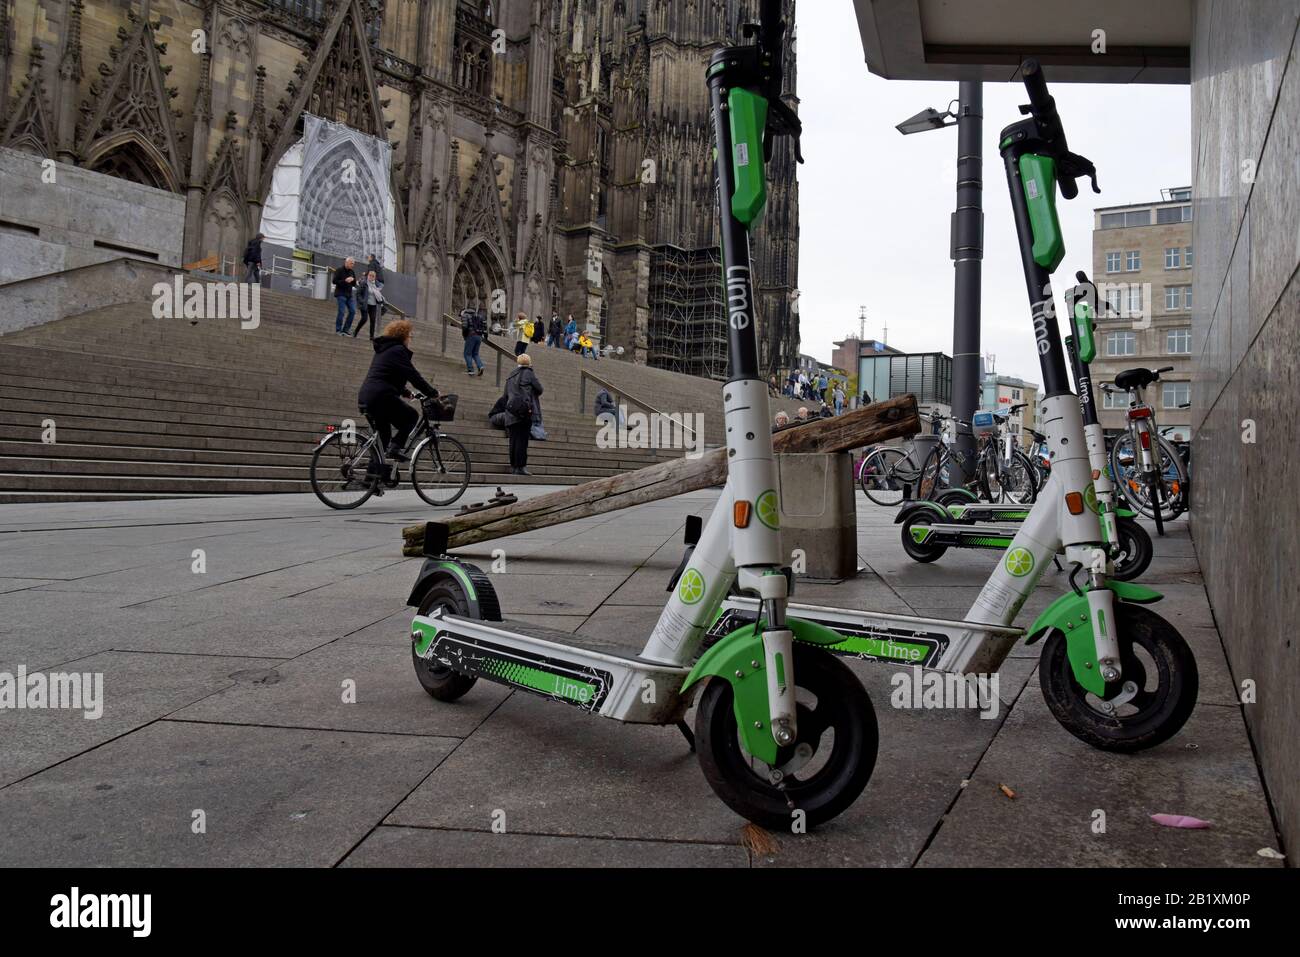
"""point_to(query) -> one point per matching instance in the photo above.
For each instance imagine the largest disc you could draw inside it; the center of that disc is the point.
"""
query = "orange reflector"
(1096, 474)
(1074, 502)
(740, 512)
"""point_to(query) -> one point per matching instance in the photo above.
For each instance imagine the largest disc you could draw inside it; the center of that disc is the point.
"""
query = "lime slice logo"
(1020, 562)
(768, 509)
(691, 589)
(1090, 498)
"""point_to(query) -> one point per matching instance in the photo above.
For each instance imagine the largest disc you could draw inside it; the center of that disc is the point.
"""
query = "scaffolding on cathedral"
(688, 318)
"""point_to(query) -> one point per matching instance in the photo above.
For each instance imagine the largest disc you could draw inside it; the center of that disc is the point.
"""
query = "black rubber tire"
(831, 788)
(1136, 550)
(441, 681)
(1031, 477)
(439, 495)
(915, 550)
(316, 478)
(1161, 711)
(954, 496)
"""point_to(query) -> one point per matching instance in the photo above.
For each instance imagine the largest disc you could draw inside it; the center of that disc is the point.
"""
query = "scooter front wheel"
(914, 542)
(821, 774)
(1156, 695)
(1134, 550)
(439, 680)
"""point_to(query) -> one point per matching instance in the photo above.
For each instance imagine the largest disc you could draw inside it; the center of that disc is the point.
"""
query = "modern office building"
(1142, 256)
(927, 375)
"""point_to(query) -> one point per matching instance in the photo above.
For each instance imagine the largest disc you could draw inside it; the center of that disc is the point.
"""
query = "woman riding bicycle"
(381, 394)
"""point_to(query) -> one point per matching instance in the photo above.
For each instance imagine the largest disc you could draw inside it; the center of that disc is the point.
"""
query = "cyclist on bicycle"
(381, 394)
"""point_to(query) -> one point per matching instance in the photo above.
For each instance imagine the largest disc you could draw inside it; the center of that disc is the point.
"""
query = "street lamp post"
(966, 250)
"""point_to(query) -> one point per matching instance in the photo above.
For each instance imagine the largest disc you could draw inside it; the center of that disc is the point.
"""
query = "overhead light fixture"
(928, 119)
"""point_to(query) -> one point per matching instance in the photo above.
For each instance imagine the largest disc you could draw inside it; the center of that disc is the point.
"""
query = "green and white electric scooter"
(1114, 673)
(781, 724)
(952, 520)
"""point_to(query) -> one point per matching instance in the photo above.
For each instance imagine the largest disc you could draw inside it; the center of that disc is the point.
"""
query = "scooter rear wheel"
(919, 551)
(1158, 663)
(439, 680)
(825, 769)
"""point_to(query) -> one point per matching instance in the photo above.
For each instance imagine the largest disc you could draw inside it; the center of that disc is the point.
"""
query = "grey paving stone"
(424, 847)
(136, 689)
(1205, 771)
(309, 692)
(271, 796)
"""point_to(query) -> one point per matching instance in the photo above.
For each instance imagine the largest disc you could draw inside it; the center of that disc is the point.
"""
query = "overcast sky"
(874, 205)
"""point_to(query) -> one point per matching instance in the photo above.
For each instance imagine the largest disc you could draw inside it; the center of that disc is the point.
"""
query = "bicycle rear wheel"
(440, 470)
(884, 475)
(339, 470)
(1020, 481)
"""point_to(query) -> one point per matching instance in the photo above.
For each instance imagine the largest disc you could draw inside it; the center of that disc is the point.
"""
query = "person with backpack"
(472, 329)
(522, 392)
(253, 259)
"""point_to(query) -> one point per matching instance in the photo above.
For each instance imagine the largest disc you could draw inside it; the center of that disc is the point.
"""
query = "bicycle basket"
(983, 423)
(442, 408)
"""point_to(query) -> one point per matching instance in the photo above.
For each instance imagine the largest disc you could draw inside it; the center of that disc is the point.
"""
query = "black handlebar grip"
(1032, 73)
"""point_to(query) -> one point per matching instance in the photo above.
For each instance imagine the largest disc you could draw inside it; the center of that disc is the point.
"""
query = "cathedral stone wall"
(546, 152)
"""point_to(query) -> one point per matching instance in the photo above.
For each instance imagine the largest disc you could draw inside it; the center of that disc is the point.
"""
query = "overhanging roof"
(1146, 41)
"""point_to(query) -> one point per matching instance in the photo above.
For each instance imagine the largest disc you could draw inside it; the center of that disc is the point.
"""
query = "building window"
(1121, 344)
(1112, 262)
(1174, 214)
(1187, 257)
(1114, 299)
(1178, 342)
(1134, 300)
(1114, 400)
(1132, 217)
(1015, 395)
(1176, 394)
(1133, 260)
(1173, 257)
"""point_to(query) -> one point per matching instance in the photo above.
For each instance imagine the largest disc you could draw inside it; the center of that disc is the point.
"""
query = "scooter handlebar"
(1043, 108)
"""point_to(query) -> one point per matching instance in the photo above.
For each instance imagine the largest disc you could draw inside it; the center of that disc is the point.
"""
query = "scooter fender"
(738, 658)
(473, 583)
(1070, 615)
(941, 514)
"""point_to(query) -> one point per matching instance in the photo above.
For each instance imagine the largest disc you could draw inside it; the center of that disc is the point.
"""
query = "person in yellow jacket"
(587, 346)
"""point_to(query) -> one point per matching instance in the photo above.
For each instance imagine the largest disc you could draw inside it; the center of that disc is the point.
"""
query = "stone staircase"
(147, 408)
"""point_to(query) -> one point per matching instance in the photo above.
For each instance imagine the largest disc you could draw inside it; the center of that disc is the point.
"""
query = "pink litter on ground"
(1179, 820)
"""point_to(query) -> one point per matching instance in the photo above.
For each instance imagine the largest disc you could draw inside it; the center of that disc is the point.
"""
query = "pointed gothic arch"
(347, 220)
(480, 270)
(30, 126)
(128, 155)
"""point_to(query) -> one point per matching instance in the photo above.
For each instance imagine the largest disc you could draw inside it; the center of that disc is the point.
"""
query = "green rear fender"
(908, 511)
(1069, 615)
(734, 655)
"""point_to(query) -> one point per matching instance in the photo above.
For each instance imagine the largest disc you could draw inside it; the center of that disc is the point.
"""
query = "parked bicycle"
(1146, 466)
(349, 464)
(1040, 456)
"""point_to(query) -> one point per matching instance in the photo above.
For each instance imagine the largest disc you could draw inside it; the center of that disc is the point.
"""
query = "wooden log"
(873, 423)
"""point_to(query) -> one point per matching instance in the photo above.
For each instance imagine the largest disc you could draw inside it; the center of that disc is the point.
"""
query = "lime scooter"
(1113, 673)
(952, 519)
(781, 724)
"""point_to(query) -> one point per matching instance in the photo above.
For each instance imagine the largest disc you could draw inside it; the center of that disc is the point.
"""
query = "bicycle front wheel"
(440, 470)
(339, 470)
(1020, 481)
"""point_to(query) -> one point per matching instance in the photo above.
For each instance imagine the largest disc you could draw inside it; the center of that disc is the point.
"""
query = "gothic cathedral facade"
(548, 155)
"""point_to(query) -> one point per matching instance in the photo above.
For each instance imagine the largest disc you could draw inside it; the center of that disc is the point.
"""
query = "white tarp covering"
(330, 193)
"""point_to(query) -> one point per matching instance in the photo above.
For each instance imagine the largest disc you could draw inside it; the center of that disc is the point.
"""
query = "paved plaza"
(260, 708)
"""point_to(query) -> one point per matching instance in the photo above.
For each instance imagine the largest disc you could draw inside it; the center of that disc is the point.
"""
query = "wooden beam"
(873, 423)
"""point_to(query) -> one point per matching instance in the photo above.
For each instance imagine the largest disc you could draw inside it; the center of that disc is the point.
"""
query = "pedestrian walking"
(253, 259)
(522, 391)
(838, 395)
(472, 329)
(345, 284)
(370, 303)
(539, 330)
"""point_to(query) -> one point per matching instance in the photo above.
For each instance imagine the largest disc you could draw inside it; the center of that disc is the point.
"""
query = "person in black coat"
(555, 333)
(539, 330)
(253, 259)
(522, 391)
(374, 267)
(385, 385)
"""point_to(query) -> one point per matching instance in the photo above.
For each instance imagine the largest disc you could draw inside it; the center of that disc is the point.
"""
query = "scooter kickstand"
(687, 733)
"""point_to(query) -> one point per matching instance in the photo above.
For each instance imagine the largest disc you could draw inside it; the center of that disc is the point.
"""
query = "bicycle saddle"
(1038, 436)
(1135, 378)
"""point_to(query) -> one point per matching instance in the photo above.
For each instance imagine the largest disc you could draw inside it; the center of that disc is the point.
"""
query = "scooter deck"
(590, 673)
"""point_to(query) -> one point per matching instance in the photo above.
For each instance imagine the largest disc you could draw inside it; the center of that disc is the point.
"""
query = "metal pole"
(967, 235)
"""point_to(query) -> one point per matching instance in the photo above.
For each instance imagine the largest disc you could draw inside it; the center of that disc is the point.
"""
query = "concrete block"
(818, 513)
